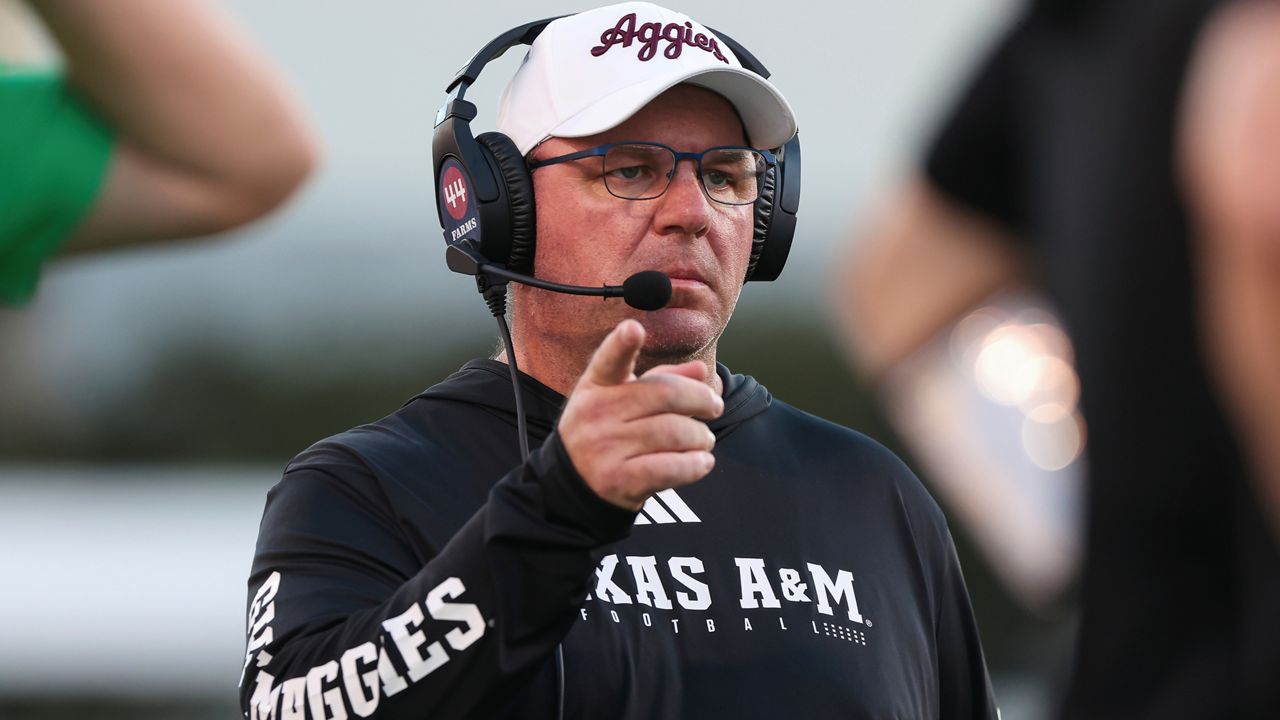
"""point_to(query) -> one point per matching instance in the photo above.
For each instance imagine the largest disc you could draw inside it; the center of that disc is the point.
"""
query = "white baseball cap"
(589, 72)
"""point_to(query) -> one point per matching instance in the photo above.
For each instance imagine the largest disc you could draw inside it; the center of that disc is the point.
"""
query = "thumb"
(615, 360)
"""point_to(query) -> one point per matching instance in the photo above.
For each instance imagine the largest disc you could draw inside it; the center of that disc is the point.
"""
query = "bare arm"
(922, 264)
(1230, 158)
(209, 136)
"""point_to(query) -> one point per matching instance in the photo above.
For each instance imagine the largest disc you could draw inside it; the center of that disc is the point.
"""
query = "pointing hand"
(630, 437)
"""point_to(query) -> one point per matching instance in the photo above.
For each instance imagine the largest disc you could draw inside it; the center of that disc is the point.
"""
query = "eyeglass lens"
(642, 172)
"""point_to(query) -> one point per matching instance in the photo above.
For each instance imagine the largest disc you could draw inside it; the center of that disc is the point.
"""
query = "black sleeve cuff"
(568, 500)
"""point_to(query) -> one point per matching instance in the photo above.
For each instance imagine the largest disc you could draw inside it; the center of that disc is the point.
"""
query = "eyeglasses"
(730, 175)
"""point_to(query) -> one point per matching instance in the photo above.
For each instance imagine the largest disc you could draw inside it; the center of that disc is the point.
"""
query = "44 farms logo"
(455, 192)
(461, 219)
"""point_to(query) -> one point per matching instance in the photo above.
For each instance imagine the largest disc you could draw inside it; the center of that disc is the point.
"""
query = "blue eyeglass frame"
(770, 160)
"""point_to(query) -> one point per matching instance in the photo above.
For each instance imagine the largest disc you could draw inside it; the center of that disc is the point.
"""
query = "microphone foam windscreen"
(647, 290)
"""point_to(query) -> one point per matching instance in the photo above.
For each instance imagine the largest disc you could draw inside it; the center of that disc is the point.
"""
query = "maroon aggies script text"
(676, 35)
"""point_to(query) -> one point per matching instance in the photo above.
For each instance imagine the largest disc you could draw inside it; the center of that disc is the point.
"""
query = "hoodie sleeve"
(963, 683)
(344, 620)
(964, 688)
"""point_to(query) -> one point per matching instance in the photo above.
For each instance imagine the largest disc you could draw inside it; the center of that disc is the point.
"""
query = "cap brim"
(765, 113)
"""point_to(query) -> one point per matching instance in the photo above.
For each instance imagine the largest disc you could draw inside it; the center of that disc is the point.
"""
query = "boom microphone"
(645, 290)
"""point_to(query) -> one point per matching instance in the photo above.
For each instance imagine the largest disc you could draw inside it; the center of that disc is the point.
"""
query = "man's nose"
(685, 207)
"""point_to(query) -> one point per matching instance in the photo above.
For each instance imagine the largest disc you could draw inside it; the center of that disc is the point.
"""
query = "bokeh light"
(1025, 362)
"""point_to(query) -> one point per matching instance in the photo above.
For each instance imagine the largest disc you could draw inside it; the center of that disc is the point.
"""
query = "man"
(782, 566)
(1129, 151)
(168, 124)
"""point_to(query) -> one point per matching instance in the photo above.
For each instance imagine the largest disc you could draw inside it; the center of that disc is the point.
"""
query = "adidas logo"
(665, 507)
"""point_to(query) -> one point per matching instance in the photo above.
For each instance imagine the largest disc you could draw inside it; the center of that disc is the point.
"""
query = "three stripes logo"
(665, 507)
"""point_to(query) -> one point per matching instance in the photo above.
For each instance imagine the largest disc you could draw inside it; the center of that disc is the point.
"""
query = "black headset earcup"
(776, 215)
(519, 191)
(763, 215)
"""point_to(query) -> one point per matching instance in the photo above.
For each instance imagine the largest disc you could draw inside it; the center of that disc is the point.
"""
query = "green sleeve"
(53, 160)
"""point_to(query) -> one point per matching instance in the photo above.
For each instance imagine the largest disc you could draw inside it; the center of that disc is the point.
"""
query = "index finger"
(614, 362)
(683, 396)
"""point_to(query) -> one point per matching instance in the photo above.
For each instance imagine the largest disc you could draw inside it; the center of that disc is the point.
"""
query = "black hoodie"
(415, 568)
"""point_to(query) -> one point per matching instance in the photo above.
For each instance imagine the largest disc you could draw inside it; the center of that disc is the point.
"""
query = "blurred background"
(150, 397)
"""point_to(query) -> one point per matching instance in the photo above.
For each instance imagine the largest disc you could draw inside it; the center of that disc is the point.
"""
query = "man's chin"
(676, 335)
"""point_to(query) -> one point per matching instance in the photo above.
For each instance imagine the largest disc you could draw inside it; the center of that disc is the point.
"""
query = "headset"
(484, 192)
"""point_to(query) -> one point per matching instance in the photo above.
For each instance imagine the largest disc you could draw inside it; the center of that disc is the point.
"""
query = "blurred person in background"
(1126, 157)
(695, 547)
(165, 122)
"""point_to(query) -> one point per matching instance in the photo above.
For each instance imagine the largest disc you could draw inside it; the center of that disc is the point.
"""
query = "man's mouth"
(686, 277)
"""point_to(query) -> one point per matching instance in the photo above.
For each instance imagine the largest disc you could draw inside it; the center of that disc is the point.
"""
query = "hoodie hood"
(487, 383)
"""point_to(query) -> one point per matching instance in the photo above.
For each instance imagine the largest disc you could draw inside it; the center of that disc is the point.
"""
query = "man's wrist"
(569, 500)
